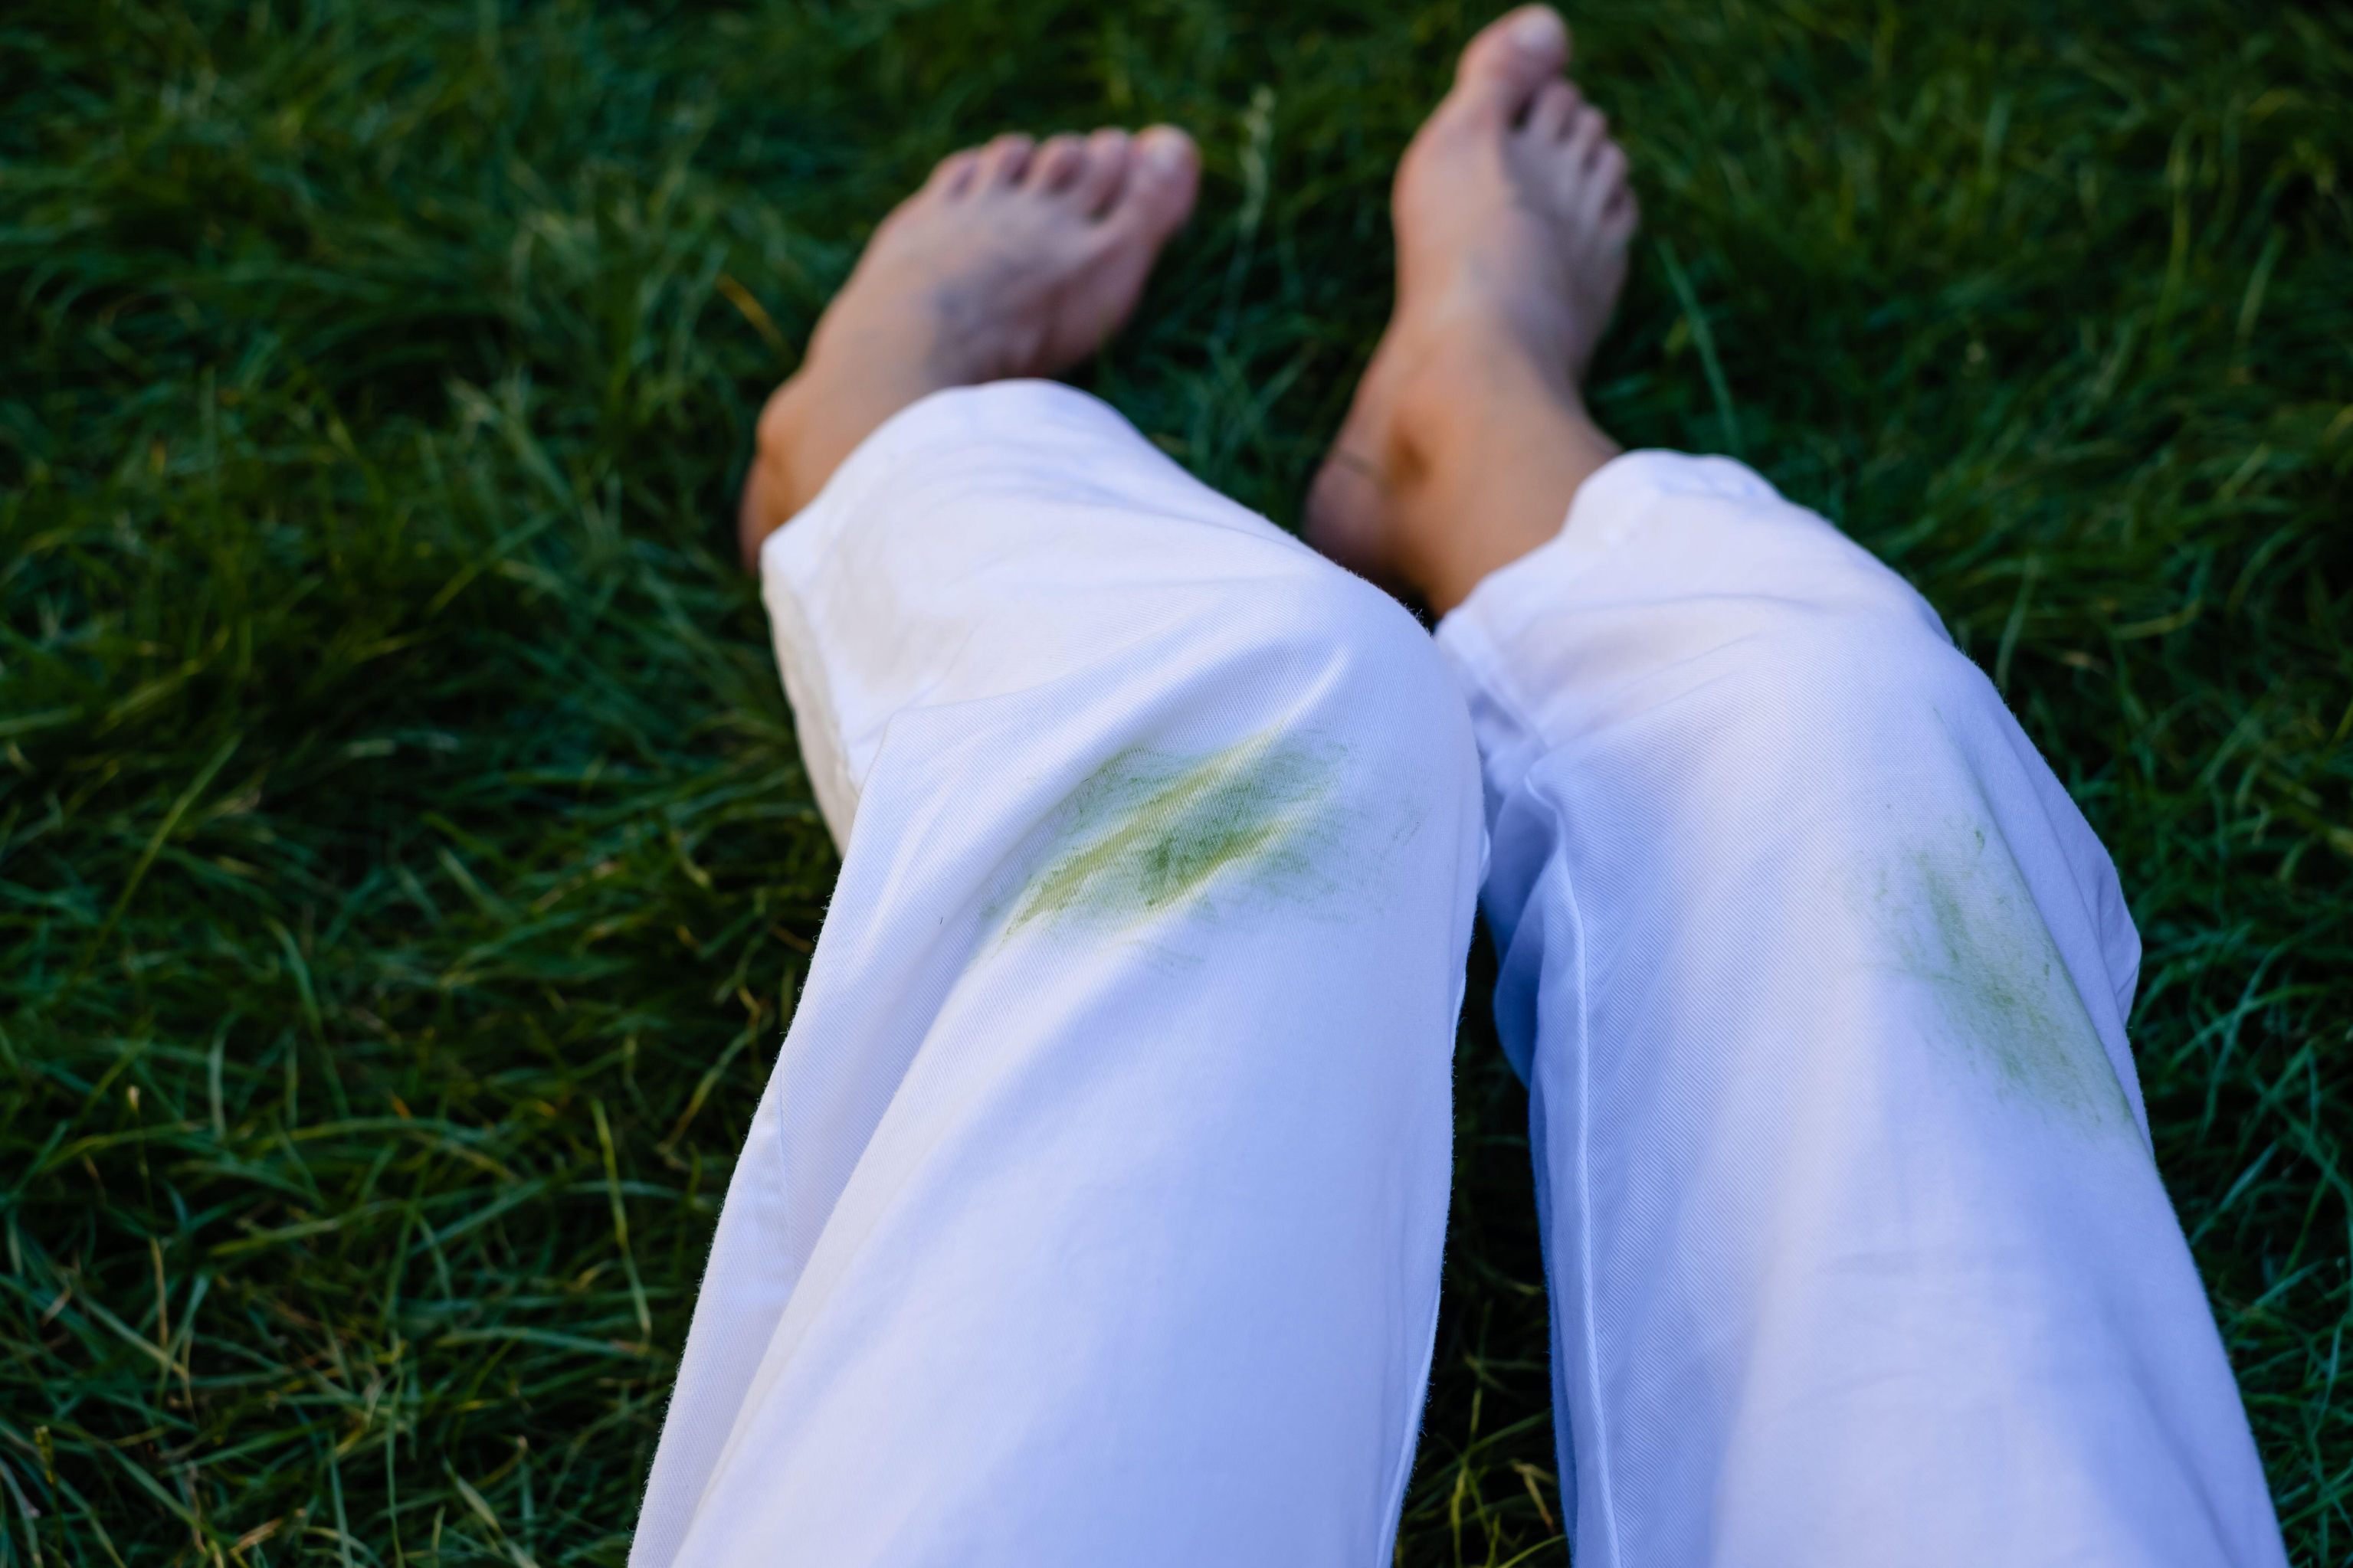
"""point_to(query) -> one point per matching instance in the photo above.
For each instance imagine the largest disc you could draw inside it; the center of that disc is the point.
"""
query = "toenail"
(1539, 32)
(1162, 152)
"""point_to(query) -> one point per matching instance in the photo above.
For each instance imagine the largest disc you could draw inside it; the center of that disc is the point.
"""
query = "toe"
(1057, 162)
(1101, 172)
(1586, 131)
(1555, 105)
(1601, 140)
(1512, 58)
(953, 173)
(1003, 160)
(1622, 215)
(1604, 182)
(1163, 174)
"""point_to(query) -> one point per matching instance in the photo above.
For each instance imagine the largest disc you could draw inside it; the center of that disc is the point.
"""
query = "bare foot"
(1469, 435)
(1015, 259)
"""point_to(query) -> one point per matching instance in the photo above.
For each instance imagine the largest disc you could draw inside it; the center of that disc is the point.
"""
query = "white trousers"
(1093, 1211)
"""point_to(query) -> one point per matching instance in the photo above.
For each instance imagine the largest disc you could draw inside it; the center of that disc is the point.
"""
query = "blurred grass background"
(404, 863)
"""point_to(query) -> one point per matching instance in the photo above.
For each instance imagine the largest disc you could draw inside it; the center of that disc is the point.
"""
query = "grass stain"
(1148, 831)
(1974, 934)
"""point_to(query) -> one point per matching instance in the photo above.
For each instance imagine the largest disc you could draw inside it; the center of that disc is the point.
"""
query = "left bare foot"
(1015, 259)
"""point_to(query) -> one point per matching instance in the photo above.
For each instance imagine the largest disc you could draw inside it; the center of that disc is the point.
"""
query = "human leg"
(1818, 980)
(1093, 1209)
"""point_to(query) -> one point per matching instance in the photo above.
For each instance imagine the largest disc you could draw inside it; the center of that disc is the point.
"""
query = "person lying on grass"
(1094, 1211)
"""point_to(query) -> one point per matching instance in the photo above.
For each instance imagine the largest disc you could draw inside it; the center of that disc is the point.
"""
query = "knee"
(1864, 668)
(1323, 660)
(1368, 663)
(1825, 704)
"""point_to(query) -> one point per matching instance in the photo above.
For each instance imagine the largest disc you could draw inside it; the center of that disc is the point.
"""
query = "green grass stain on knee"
(1148, 831)
(1975, 933)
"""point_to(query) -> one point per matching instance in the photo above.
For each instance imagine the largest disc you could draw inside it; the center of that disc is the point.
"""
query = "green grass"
(405, 861)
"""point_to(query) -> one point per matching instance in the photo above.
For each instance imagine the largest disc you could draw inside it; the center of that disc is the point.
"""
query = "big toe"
(1164, 175)
(1512, 57)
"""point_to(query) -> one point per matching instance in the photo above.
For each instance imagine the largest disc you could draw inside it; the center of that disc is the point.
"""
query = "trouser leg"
(1093, 1211)
(1819, 981)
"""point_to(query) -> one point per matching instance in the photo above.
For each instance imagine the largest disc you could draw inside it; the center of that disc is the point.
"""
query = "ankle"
(809, 426)
(795, 451)
(1488, 451)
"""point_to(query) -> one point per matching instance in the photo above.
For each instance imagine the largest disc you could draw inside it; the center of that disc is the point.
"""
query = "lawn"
(406, 866)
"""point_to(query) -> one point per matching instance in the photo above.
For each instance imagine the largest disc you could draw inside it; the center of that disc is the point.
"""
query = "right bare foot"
(1469, 436)
(1015, 259)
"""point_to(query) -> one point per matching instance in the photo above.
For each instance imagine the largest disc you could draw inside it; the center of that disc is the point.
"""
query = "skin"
(1468, 435)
